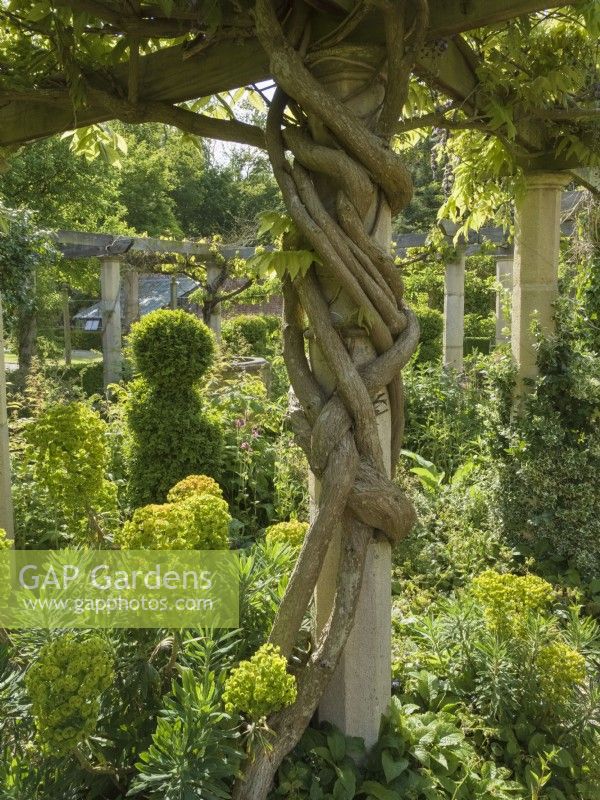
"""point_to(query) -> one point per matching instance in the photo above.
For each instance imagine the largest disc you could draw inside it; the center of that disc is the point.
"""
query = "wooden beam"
(79, 244)
(588, 177)
(168, 76)
(450, 17)
(451, 72)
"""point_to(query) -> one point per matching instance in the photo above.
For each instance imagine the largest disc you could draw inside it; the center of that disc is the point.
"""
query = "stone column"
(535, 284)
(131, 292)
(6, 504)
(173, 292)
(504, 278)
(214, 320)
(360, 689)
(111, 318)
(454, 311)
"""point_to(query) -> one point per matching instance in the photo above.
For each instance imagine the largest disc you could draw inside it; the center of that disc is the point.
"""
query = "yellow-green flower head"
(199, 522)
(509, 599)
(192, 485)
(261, 686)
(291, 533)
(64, 716)
(69, 450)
(560, 668)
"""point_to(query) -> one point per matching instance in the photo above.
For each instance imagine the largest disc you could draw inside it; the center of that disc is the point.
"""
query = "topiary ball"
(171, 347)
(246, 333)
(192, 485)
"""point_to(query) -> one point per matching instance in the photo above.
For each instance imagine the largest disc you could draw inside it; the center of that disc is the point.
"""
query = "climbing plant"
(342, 78)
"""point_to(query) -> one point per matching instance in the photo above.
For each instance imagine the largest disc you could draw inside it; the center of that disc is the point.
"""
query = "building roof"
(155, 292)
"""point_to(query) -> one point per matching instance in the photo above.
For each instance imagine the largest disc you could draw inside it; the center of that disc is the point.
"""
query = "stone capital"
(547, 180)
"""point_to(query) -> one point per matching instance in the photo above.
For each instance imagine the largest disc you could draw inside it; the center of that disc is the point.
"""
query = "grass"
(11, 358)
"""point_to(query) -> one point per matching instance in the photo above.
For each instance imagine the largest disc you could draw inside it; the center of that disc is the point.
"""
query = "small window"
(91, 325)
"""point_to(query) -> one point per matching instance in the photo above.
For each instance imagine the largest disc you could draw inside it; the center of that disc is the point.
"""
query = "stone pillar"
(66, 323)
(131, 297)
(173, 292)
(504, 278)
(454, 311)
(214, 320)
(535, 284)
(111, 318)
(359, 692)
(6, 504)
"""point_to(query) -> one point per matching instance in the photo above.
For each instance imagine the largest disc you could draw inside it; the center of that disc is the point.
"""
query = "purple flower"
(245, 446)
(240, 422)
(255, 433)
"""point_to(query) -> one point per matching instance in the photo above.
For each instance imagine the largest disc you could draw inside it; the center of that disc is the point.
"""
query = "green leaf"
(392, 767)
(345, 786)
(274, 223)
(378, 791)
(337, 745)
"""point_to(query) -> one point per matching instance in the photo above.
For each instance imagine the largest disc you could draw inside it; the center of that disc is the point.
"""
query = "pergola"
(148, 89)
(121, 287)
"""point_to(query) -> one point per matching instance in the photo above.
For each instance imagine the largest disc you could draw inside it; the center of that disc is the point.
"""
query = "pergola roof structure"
(81, 244)
(179, 73)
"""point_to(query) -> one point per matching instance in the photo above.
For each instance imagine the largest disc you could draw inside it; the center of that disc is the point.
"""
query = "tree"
(27, 255)
(328, 136)
(63, 190)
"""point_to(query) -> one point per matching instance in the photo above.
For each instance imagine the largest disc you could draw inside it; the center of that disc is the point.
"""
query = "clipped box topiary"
(169, 436)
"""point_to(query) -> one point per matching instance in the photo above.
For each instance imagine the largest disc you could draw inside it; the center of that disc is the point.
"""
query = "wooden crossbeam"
(168, 76)
(80, 244)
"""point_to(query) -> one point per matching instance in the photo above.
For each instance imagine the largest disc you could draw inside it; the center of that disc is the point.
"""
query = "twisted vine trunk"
(328, 134)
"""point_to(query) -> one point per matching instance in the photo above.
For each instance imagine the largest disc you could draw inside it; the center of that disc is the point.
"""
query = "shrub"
(69, 452)
(247, 334)
(291, 533)
(523, 684)
(65, 685)
(251, 425)
(69, 456)
(198, 522)
(509, 599)
(193, 485)
(547, 461)
(421, 756)
(92, 378)
(444, 415)
(86, 340)
(89, 377)
(5, 542)
(455, 537)
(169, 436)
(290, 479)
(561, 668)
(194, 751)
(432, 326)
(260, 686)
(477, 327)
